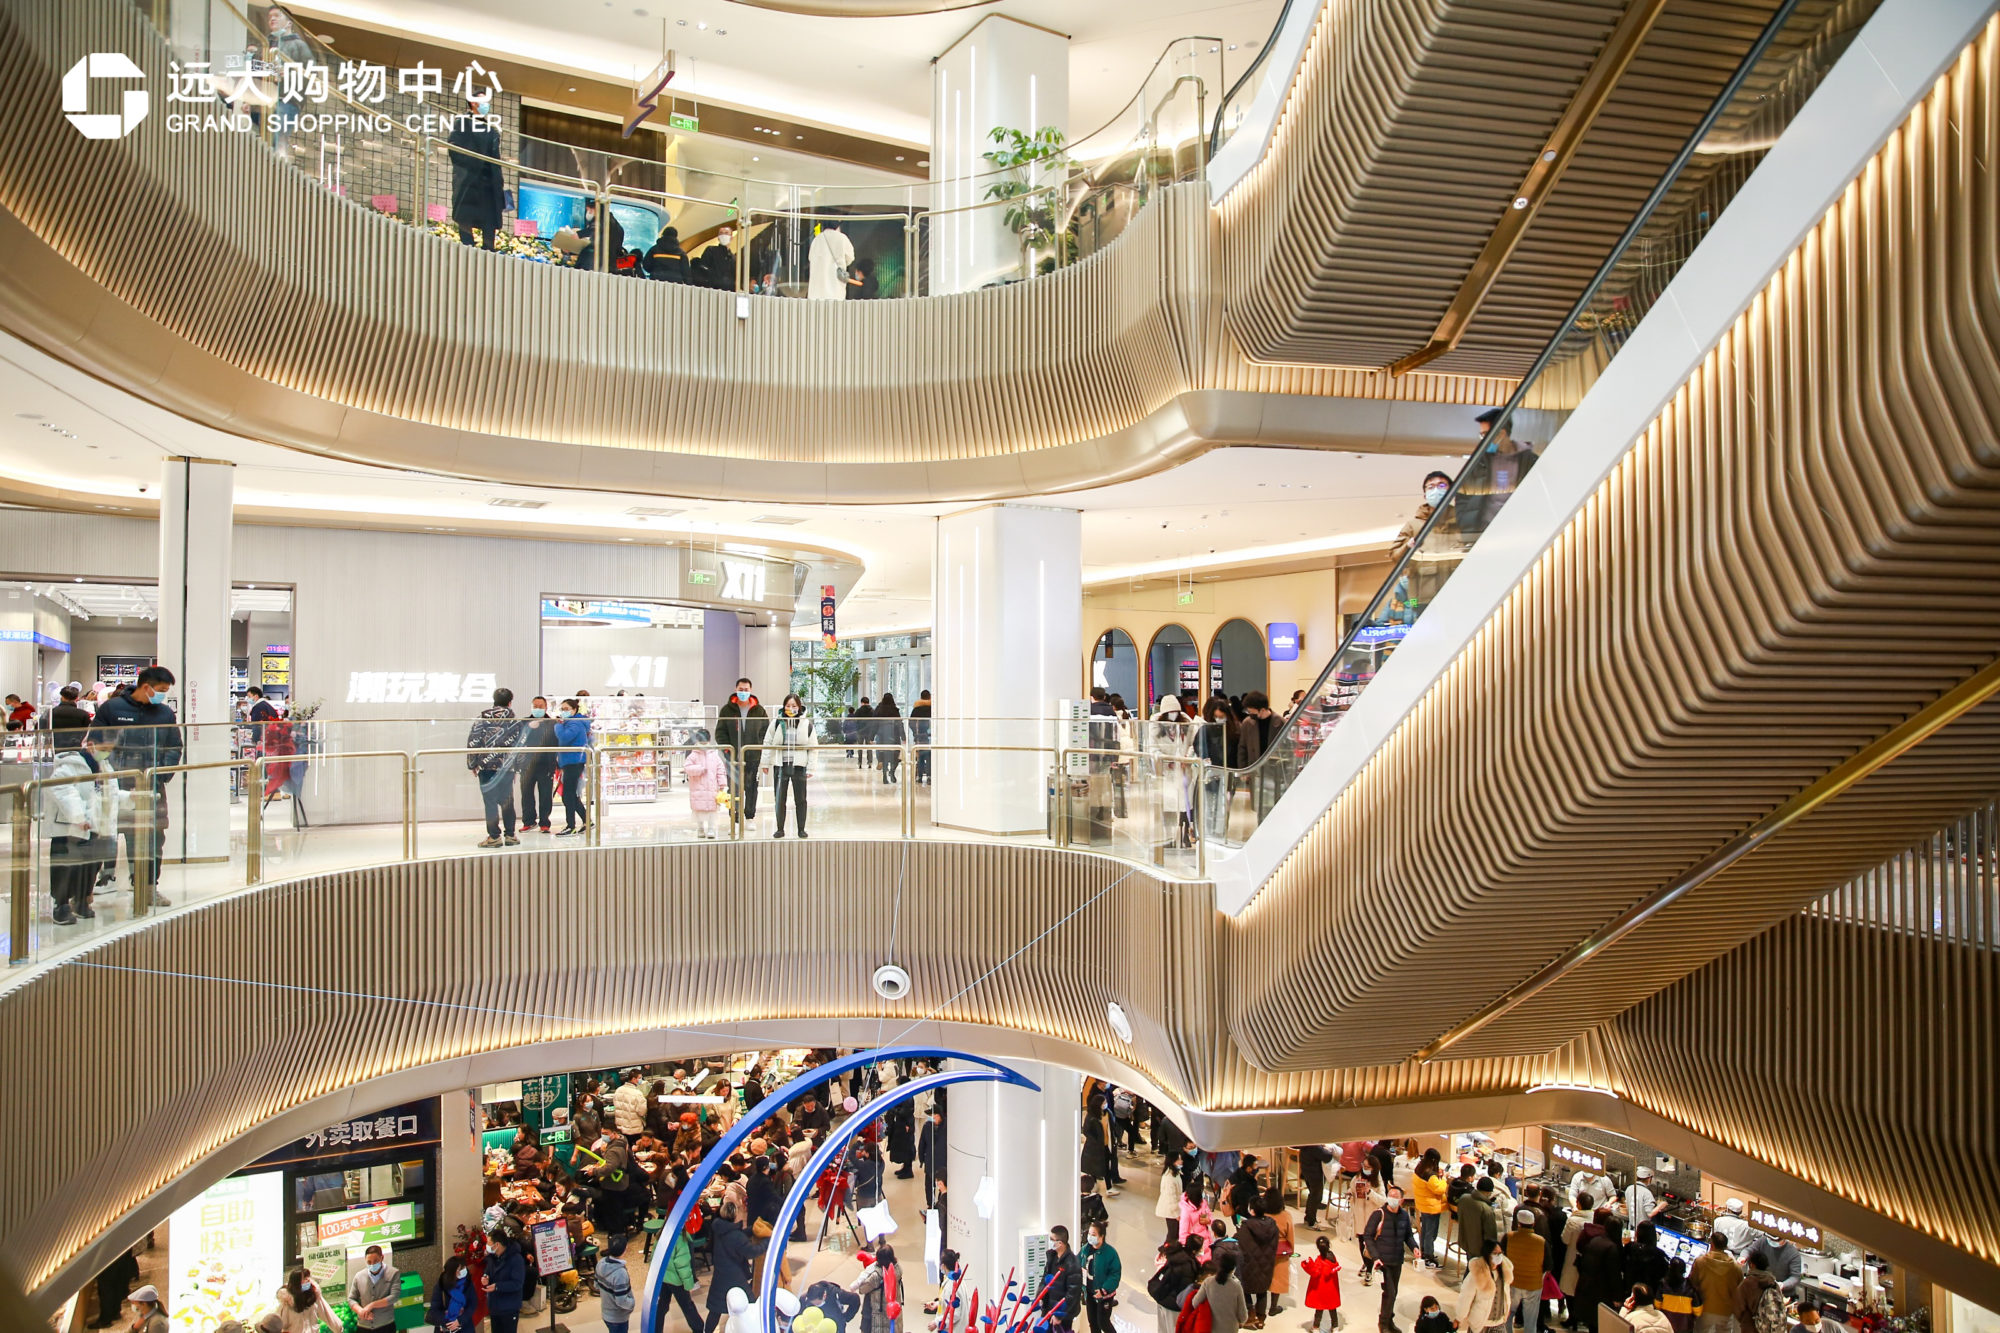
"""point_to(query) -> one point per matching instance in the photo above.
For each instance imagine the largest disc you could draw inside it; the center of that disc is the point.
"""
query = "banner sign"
(826, 610)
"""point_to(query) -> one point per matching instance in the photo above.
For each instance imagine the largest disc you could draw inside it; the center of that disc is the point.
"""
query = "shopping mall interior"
(990, 666)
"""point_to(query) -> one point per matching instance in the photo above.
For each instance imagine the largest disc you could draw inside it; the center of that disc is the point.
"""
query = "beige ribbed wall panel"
(1856, 1046)
(334, 329)
(1798, 554)
(265, 1001)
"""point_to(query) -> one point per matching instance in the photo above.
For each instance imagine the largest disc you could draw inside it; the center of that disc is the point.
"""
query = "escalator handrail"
(1717, 108)
(1242, 80)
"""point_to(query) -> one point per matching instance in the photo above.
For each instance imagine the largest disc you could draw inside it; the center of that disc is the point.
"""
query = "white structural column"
(197, 498)
(1003, 74)
(767, 660)
(1027, 1144)
(1006, 590)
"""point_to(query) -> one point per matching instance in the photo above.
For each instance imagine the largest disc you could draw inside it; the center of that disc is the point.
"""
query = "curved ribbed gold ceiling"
(1013, 951)
(1798, 554)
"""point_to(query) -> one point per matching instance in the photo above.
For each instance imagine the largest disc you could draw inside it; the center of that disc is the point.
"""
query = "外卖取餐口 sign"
(410, 1125)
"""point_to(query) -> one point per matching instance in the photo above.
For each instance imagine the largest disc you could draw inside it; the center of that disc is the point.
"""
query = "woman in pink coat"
(1195, 1214)
(706, 773)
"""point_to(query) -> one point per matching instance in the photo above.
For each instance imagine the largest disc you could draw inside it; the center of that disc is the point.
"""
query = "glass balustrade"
(1790, 58)
(157, 826)
(383, 142)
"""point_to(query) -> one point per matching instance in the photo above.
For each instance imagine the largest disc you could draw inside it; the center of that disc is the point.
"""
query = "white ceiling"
(871, 76)
(60, 428)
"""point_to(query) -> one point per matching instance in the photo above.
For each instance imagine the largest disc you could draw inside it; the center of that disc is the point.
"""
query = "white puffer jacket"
(79, 809)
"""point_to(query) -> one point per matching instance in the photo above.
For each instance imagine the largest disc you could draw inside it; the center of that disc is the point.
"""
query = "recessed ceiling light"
(701, 27)
(624, 539)
(899, 157)
(756, 159)
(572, 90)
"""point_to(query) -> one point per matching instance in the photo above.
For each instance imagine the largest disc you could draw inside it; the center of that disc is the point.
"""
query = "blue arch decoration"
(836, 1144)
(743, 1130)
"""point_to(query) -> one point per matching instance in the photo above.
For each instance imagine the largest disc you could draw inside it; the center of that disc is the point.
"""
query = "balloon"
(849, 1105)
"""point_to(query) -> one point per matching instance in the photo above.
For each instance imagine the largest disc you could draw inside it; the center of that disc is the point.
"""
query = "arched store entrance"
(1238, 656)
(1114, 664)
(1173, 664)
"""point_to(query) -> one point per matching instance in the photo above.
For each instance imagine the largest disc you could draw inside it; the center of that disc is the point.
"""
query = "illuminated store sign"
(226, 1251)
(32, 636)
(1576, 1154)
(742, 581)
(1283, 637)
(636, 672)
(379, 1225)
(421, 687)
(1777, 1222)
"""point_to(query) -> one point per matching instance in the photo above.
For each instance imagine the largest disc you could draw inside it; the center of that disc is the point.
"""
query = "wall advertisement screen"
(226, 1251)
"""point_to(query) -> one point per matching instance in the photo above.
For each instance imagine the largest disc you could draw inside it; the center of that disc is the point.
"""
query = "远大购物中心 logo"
(76, 96)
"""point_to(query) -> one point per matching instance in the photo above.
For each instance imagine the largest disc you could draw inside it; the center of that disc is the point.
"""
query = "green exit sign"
(680, 120)
(701, 576)
(1184, 597)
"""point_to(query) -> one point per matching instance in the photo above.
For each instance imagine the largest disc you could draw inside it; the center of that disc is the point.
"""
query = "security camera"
(891, 982)
(142, 490)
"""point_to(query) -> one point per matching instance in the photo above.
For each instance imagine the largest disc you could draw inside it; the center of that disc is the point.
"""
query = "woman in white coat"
(826, 265)
(1171, 739)
(72, 815)
(1484, 1300)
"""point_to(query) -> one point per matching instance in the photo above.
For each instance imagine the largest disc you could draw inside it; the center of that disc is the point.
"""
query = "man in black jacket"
(143, 734)
(930, 1152)
(1313, 1158)
(1061, 1291)
(742, 721)
(1385, 1238)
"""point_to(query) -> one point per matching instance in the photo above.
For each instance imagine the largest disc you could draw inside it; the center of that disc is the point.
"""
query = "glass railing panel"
(1787, 63)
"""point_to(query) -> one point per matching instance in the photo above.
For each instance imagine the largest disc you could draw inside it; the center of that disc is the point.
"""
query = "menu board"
(226, 1252)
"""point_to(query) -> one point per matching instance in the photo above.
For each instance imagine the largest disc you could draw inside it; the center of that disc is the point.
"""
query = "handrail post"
(145, 865)
(420, 195)
(253, 849)
(736, 820)
(596, 797)
(1200, 805)
(409, 778)
(21, 916)
(1061, 796)
(742, 228)
(600, 250)
(904, 779)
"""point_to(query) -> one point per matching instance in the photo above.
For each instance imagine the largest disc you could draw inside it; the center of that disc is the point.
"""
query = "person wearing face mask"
(477, 185)
(1432, 560)
(1102, 1272)
(1498, 468)
(538, 768)
(152, 1310)
(372, 1291)
(140, 725)
(302, 1305)
(1385, 1238)
(79, 819)
(739, 729)
(573, 734)
(789, 749)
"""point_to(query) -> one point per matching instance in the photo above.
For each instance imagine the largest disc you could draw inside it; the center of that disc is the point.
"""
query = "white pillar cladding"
(767, 660)
(1002, 74)
(197, 499)
(1006, 592)
(1028, 1145)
